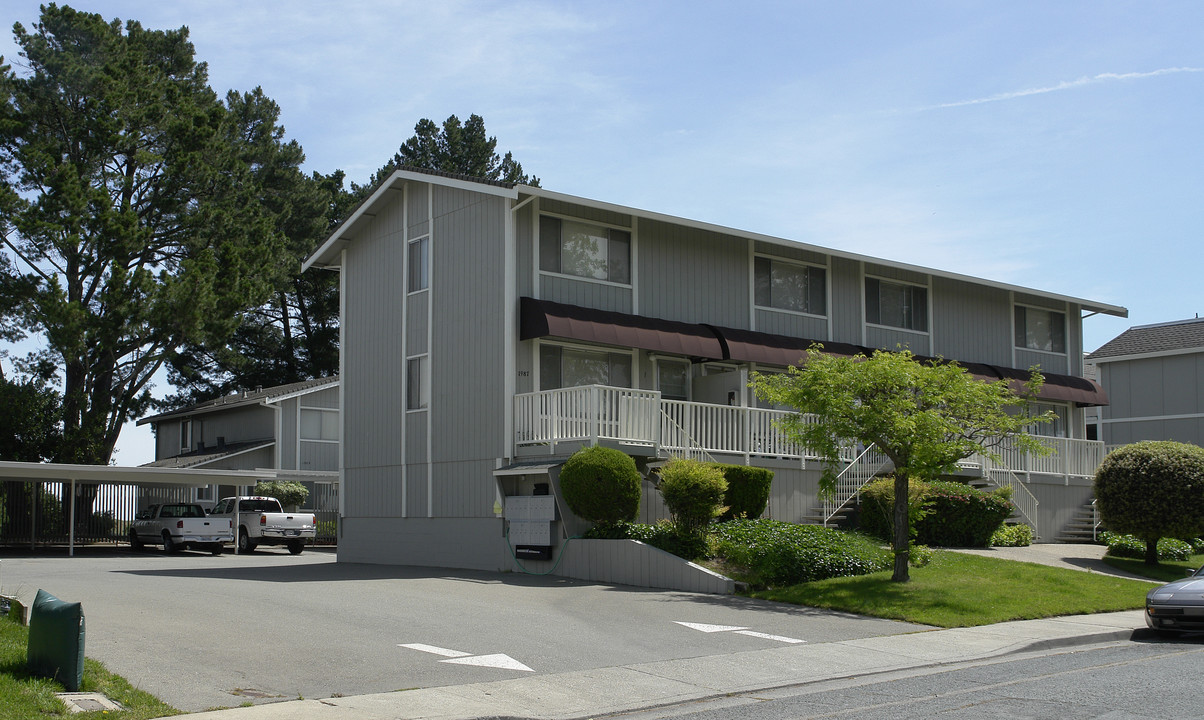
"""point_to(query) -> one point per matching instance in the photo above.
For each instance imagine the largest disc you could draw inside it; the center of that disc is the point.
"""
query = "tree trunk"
(902, 533)
(1151, 551)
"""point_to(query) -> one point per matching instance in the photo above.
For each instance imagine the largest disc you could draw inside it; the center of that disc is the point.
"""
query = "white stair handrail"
(856, 475)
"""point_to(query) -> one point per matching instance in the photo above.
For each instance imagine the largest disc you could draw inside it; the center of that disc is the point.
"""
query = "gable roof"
(1160, 338)
(259, 396)
(328, 253)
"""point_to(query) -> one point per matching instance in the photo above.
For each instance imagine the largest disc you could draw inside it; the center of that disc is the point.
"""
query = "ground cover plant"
(23, 696)
(769, 553)
(952, 591)
(1131, 546)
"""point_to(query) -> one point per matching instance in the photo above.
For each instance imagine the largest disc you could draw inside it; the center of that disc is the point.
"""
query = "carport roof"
(62, 472)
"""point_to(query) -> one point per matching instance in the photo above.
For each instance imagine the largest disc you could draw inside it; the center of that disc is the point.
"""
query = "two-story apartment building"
(489, 330)
(290, 429)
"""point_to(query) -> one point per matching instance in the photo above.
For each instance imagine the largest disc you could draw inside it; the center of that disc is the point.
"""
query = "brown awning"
(542, 318)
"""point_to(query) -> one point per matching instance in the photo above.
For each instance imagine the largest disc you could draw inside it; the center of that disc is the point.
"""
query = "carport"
(73, 475)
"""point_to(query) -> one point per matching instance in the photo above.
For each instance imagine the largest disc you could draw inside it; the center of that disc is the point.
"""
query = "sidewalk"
(621, 689)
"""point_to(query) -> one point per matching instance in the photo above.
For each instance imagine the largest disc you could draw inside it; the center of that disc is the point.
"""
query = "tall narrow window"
(896, 305)
(418, 383)
(787, 286)
(591, 251)
(1038, 329)
(185, 435)
(419, 262)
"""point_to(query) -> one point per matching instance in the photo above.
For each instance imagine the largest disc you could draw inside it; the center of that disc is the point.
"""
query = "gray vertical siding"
(1150, 397)
(971, 323)
(286, 444)
(692, 275)
(468, 402)
(603, 296)
(319, 456)
(418, 223)
(846, 299)
(328, 398)
(524, 246)
(1048, 362)
(416, 323)
(891, 339)
(781, 323)
(373, 365)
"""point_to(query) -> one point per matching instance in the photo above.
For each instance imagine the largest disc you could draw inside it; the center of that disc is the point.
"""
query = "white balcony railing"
(591, 413)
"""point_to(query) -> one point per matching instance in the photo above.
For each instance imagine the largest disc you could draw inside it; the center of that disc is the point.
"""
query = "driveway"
(202, 632)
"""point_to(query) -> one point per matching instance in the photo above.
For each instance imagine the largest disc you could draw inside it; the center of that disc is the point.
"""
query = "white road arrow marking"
(435, 650)
(710, 628)
(763, 636)
(505, 662)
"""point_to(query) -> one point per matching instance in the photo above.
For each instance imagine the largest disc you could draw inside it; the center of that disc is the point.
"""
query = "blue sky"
(1051, 145)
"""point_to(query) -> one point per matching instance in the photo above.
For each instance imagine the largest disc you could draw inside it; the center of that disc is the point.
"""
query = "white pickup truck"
(261, 521)
(176, 526)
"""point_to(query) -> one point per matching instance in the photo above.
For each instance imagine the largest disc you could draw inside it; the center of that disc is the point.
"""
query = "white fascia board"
(1088, 305)
(60, 472)
(327, 255)
(334, 382)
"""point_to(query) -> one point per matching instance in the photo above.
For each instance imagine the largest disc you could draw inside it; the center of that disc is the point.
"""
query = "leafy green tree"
(924, 416)
(1152, 490)
(30, 431)
(461, 148)
(140, 211)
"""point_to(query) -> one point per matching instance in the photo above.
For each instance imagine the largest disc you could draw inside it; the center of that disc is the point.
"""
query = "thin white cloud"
(1066, 85)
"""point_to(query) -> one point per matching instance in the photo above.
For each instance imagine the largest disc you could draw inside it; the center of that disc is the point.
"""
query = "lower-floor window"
(673, 379)
(561, 367)
(418, 383)
(1055, 428)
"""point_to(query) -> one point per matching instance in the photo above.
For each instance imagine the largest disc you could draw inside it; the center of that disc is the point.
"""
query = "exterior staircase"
(1083, 526)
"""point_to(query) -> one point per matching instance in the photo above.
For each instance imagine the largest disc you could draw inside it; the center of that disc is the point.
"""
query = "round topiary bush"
(1152, 490)
(747, 491)
(601, 485)
(693, 491)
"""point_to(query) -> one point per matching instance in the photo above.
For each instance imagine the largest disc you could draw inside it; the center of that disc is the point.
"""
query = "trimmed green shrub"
(693, 491)
(1131, 546)
(953, 514)
(1013, 536)
(778, 553)
(663, 535)
(1152, 490)
(747, 491)
(291, 495)
(601, 485)
(1197, 546)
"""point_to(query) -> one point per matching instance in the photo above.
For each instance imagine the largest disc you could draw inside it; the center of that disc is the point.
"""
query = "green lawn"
(962, 590)
(1165, 570)
(23, 697)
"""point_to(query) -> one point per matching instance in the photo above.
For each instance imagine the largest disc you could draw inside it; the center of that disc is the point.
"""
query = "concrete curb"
(605, 691)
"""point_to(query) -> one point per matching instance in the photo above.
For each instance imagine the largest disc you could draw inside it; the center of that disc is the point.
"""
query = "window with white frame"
(419, 260)
(1038, 329)
(204, 493)
(898, 305)
(320, 424)
(790, 286)
(418, 383)
(673, 379)
(571, 247)
(563, 366)
(185, 435)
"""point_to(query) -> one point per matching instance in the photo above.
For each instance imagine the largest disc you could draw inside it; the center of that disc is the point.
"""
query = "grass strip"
(1164, 571)
(24, 696)
(962, 590)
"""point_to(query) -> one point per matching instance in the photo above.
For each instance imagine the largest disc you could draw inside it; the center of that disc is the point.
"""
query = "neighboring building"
(291, 429)
(489, 330)
(1154, 377)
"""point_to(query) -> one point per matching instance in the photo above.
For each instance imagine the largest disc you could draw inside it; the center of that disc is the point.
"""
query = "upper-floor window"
(419, 262)
(186, 435)
(561, 367)
(789, 286)
(319, 424)
(1038, 329)
(591, 251)
(896, 305)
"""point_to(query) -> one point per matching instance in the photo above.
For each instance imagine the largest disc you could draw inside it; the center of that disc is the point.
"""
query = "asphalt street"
(203, 632)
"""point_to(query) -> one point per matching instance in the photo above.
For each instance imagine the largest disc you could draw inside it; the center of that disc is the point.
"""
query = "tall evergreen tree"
(462, 148)
(140, 211)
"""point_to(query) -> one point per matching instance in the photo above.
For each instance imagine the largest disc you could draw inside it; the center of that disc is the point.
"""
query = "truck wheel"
(135, 543)
(215, 549)
(244, 542)
(168, 545)
(295, 547)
